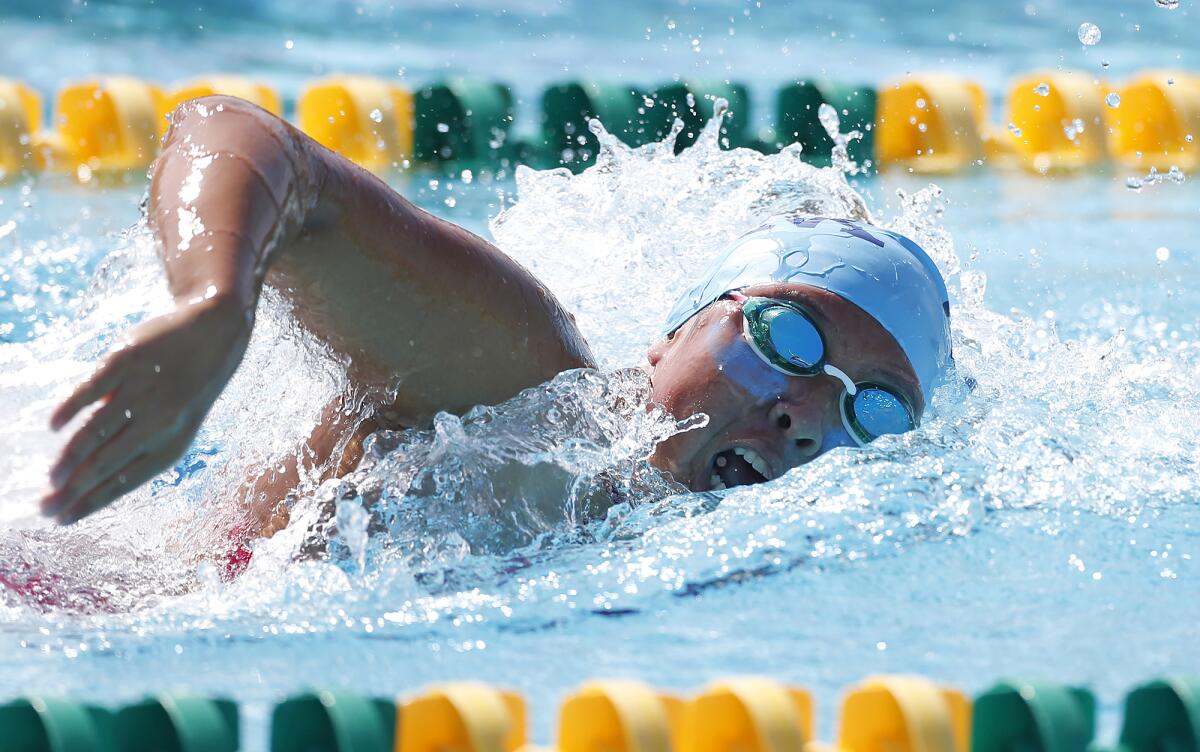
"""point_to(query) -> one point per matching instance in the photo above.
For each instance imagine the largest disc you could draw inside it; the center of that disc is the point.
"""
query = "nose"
(802, 424)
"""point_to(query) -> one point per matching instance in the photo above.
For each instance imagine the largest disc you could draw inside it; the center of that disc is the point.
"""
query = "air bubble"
(1168, 4)
(1113, 99)
(1089, 33)
(376, 115)
(1042, 90)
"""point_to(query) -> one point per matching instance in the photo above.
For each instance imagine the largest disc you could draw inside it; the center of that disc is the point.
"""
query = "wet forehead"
(857, 342)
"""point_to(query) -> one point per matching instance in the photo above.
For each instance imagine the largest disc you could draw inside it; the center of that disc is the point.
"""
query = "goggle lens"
(794, 337)
(874, 412)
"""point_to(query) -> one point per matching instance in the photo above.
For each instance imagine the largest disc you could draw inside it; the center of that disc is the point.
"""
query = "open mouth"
(739, 466)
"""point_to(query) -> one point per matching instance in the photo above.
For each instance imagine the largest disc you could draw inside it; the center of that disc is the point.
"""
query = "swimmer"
(806, 334)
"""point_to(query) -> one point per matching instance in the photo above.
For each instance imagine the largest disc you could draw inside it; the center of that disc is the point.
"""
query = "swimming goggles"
(786, 338)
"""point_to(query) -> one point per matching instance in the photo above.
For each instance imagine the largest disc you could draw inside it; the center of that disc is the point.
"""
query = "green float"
(567, 108)
(693, 103)
(1162, 716)
(796, 120)
(463, 122)
(1017, 716)
(39, 724)
(169, 723)
(333, 722)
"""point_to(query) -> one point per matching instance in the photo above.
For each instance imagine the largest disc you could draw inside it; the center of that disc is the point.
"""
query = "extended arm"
(427, 316)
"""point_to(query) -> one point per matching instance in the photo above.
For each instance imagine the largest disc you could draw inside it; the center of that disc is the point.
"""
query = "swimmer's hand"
(155, 389)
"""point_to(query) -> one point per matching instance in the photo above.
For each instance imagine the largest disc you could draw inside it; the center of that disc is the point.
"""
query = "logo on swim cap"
(885, 274)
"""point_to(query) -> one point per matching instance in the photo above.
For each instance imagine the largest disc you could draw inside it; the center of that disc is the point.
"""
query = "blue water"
(1046, 524)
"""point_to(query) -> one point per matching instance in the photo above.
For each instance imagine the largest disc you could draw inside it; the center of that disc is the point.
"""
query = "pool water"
(1044, 524)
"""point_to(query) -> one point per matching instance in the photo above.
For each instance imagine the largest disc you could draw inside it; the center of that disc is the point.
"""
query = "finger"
(129, 442)
(134, 474)
(61, 497)
(101, 427)
(103, 381)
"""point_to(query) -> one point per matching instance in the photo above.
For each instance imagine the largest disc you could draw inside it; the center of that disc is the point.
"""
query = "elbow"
(227, 126)
(214, 112)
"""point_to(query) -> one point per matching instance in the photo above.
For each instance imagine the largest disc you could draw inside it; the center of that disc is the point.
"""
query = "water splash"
(497, 523)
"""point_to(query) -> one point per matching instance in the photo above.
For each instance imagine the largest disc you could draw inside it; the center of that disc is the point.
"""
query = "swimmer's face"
(757, 415)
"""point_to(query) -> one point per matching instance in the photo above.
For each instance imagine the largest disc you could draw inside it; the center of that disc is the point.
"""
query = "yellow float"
(904, 714)
(1157, 122)
(110, 124)
(930, 124)
(618, 715)
(367, 120)
(20, 119)
(1057, 122)
(461, 717)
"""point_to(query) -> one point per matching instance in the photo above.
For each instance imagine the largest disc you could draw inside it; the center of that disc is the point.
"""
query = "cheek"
(736, 365)
(836, 437)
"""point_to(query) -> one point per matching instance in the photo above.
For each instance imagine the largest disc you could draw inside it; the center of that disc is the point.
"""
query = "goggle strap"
(841, 376)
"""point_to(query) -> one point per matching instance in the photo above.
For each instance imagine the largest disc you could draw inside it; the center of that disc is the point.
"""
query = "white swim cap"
(882, 272)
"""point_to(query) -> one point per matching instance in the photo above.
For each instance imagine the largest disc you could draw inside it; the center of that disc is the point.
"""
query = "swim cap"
(883, 273)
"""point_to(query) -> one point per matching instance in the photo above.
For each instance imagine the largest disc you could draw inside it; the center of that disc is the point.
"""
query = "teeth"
(756, 461)
(716, 483)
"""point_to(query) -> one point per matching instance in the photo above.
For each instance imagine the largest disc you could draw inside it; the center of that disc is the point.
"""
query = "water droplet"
(1104, 64)
(443, 128)
(1113, 99)
(829, 119)
(1013, 129)
(1042, 89)
(1170, 82)
(1133, 184)
(451, 202)
(920, 104)
(289, 44)
(376, 115)
(1089, 33)
(1168, 4)
(1162, 254)
(1188, 138)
